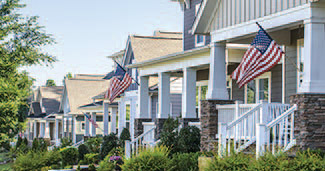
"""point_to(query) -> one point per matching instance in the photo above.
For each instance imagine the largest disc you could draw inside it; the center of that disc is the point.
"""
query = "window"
(127, 116)
(201, 91)
(199, 40)
(300, 62)
(258, 89)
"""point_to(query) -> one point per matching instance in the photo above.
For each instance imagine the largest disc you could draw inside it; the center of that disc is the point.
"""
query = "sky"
(86, 32)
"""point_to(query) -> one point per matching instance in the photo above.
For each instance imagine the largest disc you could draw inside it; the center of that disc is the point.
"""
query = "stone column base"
(209, 123)
(309, 120)
(159, 122)
(184, 121)
(138, 126)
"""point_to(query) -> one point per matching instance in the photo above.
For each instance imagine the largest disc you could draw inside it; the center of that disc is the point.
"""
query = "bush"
(92, 158)
(125, 135)
(19, 141)
(308, 160)
(83, 150)
(30, 161)
(154, 159)
(184, 162)
(189, 139)
(53, 159)
(106, 164)
(270, 162)
(42, 145)
(91, 167)
(109, 143)
(65, 142)
(94, 144)
(35, 144)
(233, 162)
(169, 135)
(69, 156)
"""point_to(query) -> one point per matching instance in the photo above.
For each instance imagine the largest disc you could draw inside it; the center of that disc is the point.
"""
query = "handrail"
(78, 143)
(231, 106)
(281, 117)
(143, 134)
(233, 123)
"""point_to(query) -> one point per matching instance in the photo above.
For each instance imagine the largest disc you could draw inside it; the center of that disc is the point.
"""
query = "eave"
(205, 16)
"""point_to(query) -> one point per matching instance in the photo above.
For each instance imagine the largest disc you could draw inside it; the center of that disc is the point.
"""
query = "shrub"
(19, 141)
(109, 143)
(169, 135)
(83, 150)
(65, 142)
(25, 141)
(35, 144)
(189, 139)
(184, 162)
(91, 167)
(154, 159)
(233, 162)
(125, 135)
(69, 156)
(308, 160)
(30, 161)
(53, 159)
(94, 144)
(92, 158)
(270, 162)
(42, 145)
(106, 164)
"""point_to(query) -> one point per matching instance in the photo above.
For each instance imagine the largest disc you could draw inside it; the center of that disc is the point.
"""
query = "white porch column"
(113, 119)
(314, 50)
(133, 108)
(93, 128)
(86, 125)
(121, 116)
(74, 128)
(47, 130)
(143, 98)
(106, 105)
(35, 130)
(217, 89)
(57, 140)
(189, 93)
(63, 123)
(163, 95)
(42, 129)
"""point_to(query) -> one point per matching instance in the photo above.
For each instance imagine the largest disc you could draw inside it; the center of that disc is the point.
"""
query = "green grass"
(5, 166)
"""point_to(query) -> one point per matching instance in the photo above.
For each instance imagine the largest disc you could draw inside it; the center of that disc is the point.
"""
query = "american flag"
(118, 84)
(91, 120)
(261, 56)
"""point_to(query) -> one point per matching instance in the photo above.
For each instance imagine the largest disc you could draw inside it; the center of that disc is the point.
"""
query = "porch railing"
(277, 135)
(132, 147)
(237, 123)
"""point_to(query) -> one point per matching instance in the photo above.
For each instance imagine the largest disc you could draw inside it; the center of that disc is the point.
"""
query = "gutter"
(171, 57)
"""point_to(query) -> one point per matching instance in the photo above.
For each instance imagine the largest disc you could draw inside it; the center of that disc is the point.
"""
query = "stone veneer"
(159, 122)
(209, 123)
(309, 120)
(138, 126)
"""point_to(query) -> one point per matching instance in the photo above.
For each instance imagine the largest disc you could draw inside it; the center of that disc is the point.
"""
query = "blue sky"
(88, 31)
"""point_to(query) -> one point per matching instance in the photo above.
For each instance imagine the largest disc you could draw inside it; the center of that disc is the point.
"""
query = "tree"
(50, 83)
(22, 40)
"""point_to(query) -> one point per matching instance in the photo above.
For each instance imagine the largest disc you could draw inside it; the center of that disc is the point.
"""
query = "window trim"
(267, 75)
(199, 44)
(300, 43)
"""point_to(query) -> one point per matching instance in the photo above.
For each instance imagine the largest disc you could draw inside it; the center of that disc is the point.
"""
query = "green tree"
(50, 83)
(22, 40)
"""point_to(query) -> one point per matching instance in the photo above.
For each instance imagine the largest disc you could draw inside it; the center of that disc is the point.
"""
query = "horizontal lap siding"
(175, 99)
(232, 12)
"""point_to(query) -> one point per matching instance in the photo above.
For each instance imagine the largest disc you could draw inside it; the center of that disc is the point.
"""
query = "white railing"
(76, 145)
(132, 147)
(197, 124)
(150, 137)
(237, 123)
(278, 135)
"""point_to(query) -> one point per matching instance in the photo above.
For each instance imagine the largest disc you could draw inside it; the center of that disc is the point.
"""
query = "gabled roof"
(35, 109)
(205, 16)
(51, 97)
(149, 47)
(89, 76)
(160, 33)
(80, 92)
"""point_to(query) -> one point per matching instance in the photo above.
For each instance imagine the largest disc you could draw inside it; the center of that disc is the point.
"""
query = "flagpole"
(297, 68)
(126, 72)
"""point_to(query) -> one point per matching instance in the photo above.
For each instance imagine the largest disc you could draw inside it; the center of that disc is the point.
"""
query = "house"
(76, 102)
(140, 48)
(230, 26)
(44, 106)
